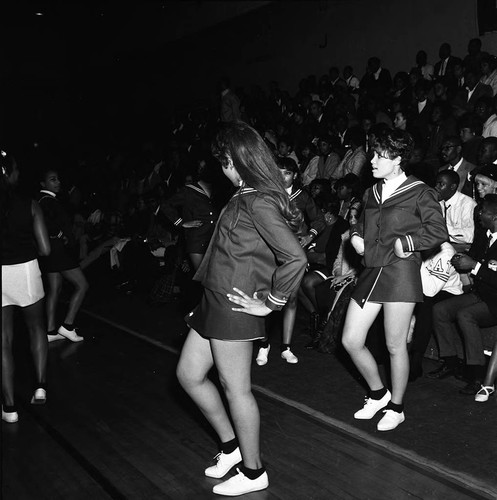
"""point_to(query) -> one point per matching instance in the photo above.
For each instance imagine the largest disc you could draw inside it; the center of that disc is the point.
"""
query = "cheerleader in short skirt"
(401, 217)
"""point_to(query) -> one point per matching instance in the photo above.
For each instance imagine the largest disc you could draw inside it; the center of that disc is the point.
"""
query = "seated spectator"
(484, 109)
(230, 103)
(402, 121)
(470, 130)
(426, 69)
(377, 81)
(444, 67)
(285, 149)
(488, 69)
(486, 181)
(473, 310)
(349, 192)
(440, 282)
(401, 92)
(472, 61)
(322, 258)
(457, 209)
(324, 165)
(465, 99)
(452, 159)
(355, 158)
(320, 188)
(487, 154)
(306, 153)
(442, 125)
(352, 81)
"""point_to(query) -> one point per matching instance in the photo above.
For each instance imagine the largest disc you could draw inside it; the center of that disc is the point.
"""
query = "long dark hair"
(256, 166)
(7, 165)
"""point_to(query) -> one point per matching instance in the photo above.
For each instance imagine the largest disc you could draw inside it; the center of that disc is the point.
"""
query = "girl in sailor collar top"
(314, 224)
(252, 265)
(401, 217)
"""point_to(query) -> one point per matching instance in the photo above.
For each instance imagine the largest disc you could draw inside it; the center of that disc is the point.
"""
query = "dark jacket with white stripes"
(192, 203)
(412, 213)
(313, 217)
(259, 254)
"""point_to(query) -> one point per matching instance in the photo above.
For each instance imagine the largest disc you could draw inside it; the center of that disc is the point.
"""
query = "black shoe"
(441, 372)
(471, 388)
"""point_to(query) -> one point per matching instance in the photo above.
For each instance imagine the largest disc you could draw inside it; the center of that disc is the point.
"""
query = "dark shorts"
(214, 318)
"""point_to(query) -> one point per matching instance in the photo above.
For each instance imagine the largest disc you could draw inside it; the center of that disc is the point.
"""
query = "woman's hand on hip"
(399, 249)
(249, 305)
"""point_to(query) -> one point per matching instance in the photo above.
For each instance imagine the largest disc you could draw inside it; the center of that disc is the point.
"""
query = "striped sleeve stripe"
(276, 301)
(313, 231)
(178, 222)
(410, 243)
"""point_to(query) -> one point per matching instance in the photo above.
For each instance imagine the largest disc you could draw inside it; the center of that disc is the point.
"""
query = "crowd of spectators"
(149, 210)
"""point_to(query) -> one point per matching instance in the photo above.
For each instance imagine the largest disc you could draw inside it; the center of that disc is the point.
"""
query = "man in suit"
(377, 81)
(466, 99)
(445, 65)
(473, 310)
(451, 153)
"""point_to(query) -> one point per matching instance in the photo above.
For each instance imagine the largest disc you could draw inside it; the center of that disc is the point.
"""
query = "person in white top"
(458, 210)
(489, 72)
(484, 108)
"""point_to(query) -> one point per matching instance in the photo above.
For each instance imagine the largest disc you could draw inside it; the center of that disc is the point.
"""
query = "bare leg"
(7, 355)
(233, 361)
(309, 283)
(357, 324)
(196, 259)
(33, 315)
(289, 315)
(492, 368)
(397, 320)
(78, 280)
(193, 367)
(52, 297)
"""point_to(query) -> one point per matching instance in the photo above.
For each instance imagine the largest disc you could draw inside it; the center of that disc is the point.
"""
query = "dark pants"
(469, 313)
(424, 321)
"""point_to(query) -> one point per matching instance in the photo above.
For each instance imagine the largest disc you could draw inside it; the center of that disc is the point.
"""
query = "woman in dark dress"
(24, 237)
(61, 263)
(401, 217)
(252, 265)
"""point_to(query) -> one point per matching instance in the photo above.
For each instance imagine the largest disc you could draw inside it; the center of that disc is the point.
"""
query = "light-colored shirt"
(458, 211)
(390, 185)
(490, 126)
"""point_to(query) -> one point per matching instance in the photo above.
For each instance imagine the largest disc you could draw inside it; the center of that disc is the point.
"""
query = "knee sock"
(395, 407)
(229, 446)
(252, 473)
(378, 394)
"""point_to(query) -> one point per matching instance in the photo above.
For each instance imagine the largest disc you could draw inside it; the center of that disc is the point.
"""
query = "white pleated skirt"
(21, 284)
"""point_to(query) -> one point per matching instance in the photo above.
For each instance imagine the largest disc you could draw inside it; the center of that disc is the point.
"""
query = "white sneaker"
(372, 407)
(241, 484)
(224, 463)
(262, 355)
(289, 357)
(484, 393)
(39, 397)
(11, 417)
(390, 420)
(57, 336)
(72, 335)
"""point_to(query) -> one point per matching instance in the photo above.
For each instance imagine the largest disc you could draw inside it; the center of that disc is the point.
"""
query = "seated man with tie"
(473, 310)
(457, 208)
(453, 159)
